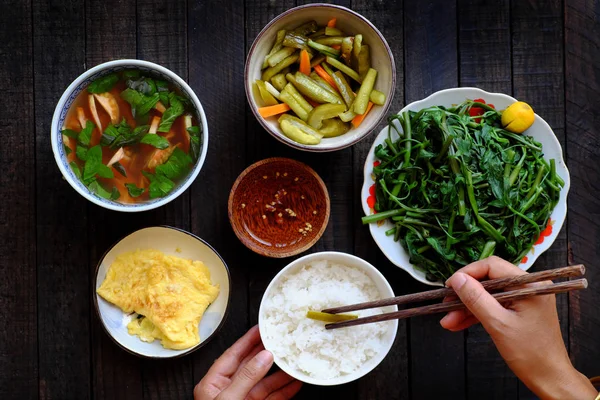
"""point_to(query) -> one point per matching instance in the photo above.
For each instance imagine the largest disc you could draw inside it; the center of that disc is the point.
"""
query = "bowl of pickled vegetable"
(129, 135)
(320, 77)
(461, 176)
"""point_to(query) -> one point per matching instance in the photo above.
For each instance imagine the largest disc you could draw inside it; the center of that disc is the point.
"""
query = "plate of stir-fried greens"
(446, 185)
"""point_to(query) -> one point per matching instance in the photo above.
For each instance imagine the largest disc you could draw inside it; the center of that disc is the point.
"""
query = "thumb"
(483, 306)
(250, 375)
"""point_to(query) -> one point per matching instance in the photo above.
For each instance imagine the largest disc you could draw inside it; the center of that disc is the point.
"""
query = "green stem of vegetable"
(450, 229)
(538, 180)
(515, 173)
(470, 190)
(488, 250)
(489, 229)
(444, 148)
(423, 249)
(407, 128)
(380, 216)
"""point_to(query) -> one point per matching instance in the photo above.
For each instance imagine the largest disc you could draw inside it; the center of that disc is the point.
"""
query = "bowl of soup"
(129, 135)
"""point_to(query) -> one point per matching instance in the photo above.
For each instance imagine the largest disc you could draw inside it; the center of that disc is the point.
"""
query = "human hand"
(526, 332)
(240, 374)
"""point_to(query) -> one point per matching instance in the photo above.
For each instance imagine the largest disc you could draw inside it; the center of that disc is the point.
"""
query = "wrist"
(566, 383)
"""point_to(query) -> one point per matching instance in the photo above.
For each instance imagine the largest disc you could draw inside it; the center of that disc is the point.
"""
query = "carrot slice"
(269, 111)
(356, 121)
(323, 74)
(332, 22)
(304, 62)
(336, 46)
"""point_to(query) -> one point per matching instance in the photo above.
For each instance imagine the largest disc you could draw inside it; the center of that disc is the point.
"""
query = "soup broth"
(130, 137)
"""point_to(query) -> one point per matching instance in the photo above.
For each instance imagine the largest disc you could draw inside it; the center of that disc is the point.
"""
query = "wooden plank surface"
(216, 75)
(62, 226)
(485, 62)
(582, 84)
(431, 64)
(18, 305)
(391, 379)
(117, 374)
(538, 79)
(162, 38)
(52, 344)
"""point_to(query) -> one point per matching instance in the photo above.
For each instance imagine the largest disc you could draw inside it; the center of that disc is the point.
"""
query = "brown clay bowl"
(279, 207)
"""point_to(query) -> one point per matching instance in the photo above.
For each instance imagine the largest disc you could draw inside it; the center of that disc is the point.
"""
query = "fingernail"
(458, 280)
(264, 357)
(444, 319)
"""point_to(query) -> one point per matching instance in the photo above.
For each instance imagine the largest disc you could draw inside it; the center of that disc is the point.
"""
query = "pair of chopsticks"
(493, 284)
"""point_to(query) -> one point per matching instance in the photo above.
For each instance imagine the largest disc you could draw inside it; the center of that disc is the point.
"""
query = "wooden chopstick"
(502, 297)
(493, 284)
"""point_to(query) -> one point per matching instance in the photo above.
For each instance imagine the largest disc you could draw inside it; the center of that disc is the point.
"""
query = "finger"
(257, 349)
(287, 392)
(467, 323)
(478, 300)
(454, 318)
(492, 267)
(269, 385)
(249, 376)
(229, 362)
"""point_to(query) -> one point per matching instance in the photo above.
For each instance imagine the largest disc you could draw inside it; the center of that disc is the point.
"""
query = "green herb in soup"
(459, 188)
(130, 137)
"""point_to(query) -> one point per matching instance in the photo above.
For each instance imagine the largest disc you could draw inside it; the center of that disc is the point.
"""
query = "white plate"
(540, 130)
(174, 242)
(385, 291)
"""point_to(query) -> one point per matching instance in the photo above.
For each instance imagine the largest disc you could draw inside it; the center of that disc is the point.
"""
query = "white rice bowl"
(302, 347)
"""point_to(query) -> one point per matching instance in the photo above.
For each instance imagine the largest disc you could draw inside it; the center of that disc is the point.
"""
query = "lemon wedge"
(326, 317)
(518, 117)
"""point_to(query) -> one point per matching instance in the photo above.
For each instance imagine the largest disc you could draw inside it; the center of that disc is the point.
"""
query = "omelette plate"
(171, 241)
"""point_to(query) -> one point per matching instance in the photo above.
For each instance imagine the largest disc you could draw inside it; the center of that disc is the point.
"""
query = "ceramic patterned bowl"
(540, 130)
(385, 291)
(279, 207)
(349, 21)
(78, 85)
(173, 242)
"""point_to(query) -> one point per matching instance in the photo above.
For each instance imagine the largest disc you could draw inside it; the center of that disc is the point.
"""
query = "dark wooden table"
(51, 344)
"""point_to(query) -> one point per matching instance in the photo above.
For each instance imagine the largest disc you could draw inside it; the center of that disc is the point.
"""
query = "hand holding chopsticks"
(494, 284)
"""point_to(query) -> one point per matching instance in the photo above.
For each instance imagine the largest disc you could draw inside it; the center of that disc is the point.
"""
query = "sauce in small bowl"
(279, 207)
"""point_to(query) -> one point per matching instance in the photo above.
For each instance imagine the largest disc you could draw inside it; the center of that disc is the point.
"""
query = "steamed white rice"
(303, 343)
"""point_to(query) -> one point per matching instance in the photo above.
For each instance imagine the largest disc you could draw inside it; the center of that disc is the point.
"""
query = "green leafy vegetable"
(140, 103)
(67, 149)
(121, 134)
(86, 134)
(75, 169)
(459, 188)
(143, 85)
(131, 74)
(175, 109)
(160, 185)
(81, 152)
(70, 133)
(120, 169)
(176, 166)
(133, 190)
(155, 140)
(195, 141)
(104, 84)
(115, 194)
(93, 165)
(95, 187)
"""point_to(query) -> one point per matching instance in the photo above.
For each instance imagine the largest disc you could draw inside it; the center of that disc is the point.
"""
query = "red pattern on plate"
(524, 260)
(546, 232)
